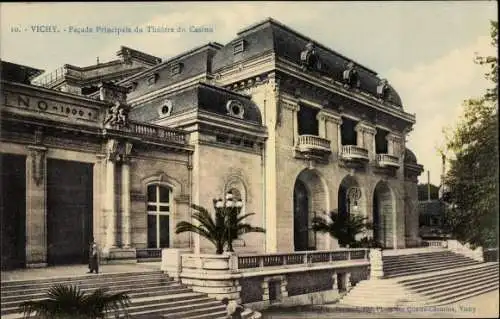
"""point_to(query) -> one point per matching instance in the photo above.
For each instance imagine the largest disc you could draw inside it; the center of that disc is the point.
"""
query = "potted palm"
(226, 225)
(343, 227)
(70, 302)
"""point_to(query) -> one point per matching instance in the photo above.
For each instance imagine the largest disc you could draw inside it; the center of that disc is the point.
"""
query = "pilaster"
(125, 196)
(109, 200)
(36, 207)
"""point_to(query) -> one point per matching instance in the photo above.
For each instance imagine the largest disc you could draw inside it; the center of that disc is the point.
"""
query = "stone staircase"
(152, 293)
(424, 279)
(410, 264)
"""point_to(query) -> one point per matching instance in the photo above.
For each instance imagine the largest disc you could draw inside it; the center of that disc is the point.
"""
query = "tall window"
(380, 141)
(159, 208)
(349, 135)
(307, 121)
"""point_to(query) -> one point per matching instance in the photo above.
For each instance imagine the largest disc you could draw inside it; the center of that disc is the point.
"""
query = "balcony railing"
(353, 152)
(156, 131)
(148, 253)
(273, 260)
(384, 160)
(313, 143)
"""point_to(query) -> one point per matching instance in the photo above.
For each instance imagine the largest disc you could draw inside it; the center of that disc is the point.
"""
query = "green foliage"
(365, 242)
(423, 189)
(216, 229)
(343, 227)
(70, 302)
(472, 180)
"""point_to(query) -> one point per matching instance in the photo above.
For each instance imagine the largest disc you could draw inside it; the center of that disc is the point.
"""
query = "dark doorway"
(69, 211)
(13, 210)
(300, 216)
(343, 201)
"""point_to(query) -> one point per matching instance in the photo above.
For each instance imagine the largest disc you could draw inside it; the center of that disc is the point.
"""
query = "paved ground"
(483, 306)
(74, 271)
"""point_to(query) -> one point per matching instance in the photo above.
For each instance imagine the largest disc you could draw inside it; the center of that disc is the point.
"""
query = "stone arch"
(384, 214)
(347, 204)
(310, 196)
(235, 182)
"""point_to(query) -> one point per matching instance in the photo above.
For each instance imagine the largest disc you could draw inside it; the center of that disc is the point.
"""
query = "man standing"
(93, 258)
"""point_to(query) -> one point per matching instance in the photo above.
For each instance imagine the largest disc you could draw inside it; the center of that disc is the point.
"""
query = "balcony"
(386, 160)
(354, 153)
(312, 147)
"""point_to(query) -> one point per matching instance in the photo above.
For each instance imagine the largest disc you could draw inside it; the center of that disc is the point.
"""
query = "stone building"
(118, 151)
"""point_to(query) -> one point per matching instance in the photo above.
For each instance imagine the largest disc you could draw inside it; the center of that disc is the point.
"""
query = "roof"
(18, 73)
(410, 157)
(203, 97)
(272, 36)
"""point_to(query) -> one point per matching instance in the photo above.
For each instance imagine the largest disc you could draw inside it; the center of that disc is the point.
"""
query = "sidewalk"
(74, 271)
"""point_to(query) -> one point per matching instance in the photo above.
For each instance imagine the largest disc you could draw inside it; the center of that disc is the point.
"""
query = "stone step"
(123, 285)
(388, 266)
(7, 306)
(97, 277)
(216, 312)
(452, 298)
(170, 308)
(458, 272)
(446, 285)
(419, 255)
(131, 280)
(457, 287)
(430, 268)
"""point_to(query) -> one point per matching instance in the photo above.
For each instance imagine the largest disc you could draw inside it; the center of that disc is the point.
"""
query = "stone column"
(36, 208)
(394, 142)
(125, 196)
(109, 199)
(295, 109)
(321, 124)
(376, 264)
(332, 129)
(366, 135)
(335, 287)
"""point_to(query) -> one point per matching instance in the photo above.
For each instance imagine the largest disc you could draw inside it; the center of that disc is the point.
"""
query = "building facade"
(118, 151)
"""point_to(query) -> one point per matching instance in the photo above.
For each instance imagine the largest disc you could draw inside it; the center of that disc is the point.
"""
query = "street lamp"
(229, 210)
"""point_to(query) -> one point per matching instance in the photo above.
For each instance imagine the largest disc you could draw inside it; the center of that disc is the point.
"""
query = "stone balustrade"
(466, 250)
(307, 143)
(300, 258)
(435, 243)
(384, 160)
(353, 152)
(156, 132)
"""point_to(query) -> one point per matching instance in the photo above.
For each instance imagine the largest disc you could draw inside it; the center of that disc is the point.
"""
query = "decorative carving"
(126, 56)
(152, 79)
(112, 150)
(383, 89)
(350, 76)
(166, 108)
(235, 108)
(117, 115)
(38, 164)
(125, 152)
(354, 194)
(38, 136)
(309, 58)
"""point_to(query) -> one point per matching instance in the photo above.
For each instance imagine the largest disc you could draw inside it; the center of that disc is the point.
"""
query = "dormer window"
(152, 79)
(235, 109)
(132, 86)
(175, 69)
(238, 46)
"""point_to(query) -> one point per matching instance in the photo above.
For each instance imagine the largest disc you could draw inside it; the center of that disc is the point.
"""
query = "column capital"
(38, 157)
(393, 136)
(363, 126)
(290, 104)
(331, 116)
(112, 150)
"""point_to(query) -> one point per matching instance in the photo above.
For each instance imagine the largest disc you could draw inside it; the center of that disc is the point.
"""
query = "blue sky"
(424, 49)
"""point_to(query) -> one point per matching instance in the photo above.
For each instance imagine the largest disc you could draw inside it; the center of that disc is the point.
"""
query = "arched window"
(159, 200)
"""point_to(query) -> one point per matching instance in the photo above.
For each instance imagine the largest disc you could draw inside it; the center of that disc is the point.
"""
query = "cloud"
(434, 92)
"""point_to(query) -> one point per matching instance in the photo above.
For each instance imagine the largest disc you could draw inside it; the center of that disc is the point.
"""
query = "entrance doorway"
(382, 216)
(300, 216)
(13, 210)
(69, 211)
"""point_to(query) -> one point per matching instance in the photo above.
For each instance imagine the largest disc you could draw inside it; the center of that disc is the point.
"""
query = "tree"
(344, 227)
(472, 180)
(70, 302)
(221, 230)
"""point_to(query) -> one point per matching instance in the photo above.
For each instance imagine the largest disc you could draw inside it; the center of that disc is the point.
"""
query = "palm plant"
(221, 230)
(343, 227)
(69, 301)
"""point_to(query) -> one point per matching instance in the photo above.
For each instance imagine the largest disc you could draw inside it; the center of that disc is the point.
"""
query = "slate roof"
(410, 157)
(201, 96)
(272, 36)
(18, 73)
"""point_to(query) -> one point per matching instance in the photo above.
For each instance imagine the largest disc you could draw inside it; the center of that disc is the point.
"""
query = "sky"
(424, 49)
